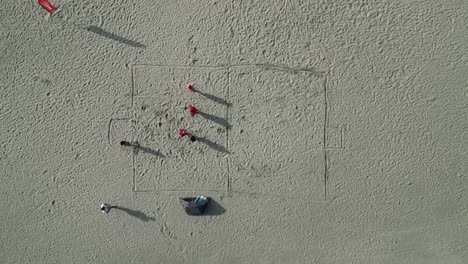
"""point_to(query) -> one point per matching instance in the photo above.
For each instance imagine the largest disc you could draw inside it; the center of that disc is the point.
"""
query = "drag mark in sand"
(291, 69)
(325, 173)
(325, 176)
(134, 172)
(332, 138)
(132, 93)
(314, 72)
(228, 172)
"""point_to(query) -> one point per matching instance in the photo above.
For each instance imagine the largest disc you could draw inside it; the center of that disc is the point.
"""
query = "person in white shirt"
(105, 208)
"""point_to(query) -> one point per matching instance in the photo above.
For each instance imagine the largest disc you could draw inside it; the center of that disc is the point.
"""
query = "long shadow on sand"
(218, 120)
(213, 145)
(102, 32)
(214, 208)
(214, 98)
(150, 151)
(138, 214)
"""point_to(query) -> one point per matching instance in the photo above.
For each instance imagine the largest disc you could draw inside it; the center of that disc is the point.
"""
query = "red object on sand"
(182, 132)
(47, 6)
(190, 87)
(193, 110)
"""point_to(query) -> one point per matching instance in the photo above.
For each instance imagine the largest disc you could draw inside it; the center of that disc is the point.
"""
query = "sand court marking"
(263, 131)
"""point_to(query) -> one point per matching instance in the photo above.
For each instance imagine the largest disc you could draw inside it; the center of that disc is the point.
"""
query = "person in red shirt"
(183, 133)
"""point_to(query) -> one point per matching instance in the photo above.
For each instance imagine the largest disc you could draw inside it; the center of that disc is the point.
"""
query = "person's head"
(125, 143)
(182, 132)
(193, 138)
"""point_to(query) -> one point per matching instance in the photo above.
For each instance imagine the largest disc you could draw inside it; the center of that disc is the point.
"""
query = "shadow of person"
(138, 214)
(213, 208)
(150, 151)
(218, 120)
(213, 145)
(109, 35)
(214, 98)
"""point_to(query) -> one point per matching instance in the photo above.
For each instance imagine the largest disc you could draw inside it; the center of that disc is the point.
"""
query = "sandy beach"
(327, 131)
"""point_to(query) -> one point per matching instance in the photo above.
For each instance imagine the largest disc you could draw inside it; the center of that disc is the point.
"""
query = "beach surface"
(327, 132)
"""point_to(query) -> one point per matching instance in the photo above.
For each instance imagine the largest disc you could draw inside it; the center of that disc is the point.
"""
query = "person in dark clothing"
(129, 144)
(183, 133)
(125, 143)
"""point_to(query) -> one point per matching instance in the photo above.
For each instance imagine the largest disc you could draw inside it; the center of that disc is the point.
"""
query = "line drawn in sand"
(332, 135)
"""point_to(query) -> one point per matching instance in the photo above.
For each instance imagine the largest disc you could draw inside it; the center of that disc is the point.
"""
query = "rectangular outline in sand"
(316, 74)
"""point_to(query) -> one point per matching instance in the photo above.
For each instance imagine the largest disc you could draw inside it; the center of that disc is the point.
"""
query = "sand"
(329, 132)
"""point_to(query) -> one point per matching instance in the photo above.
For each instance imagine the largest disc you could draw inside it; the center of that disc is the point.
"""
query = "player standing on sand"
(193, 110)
(183, 133)
(129, 144)
(105, 208)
